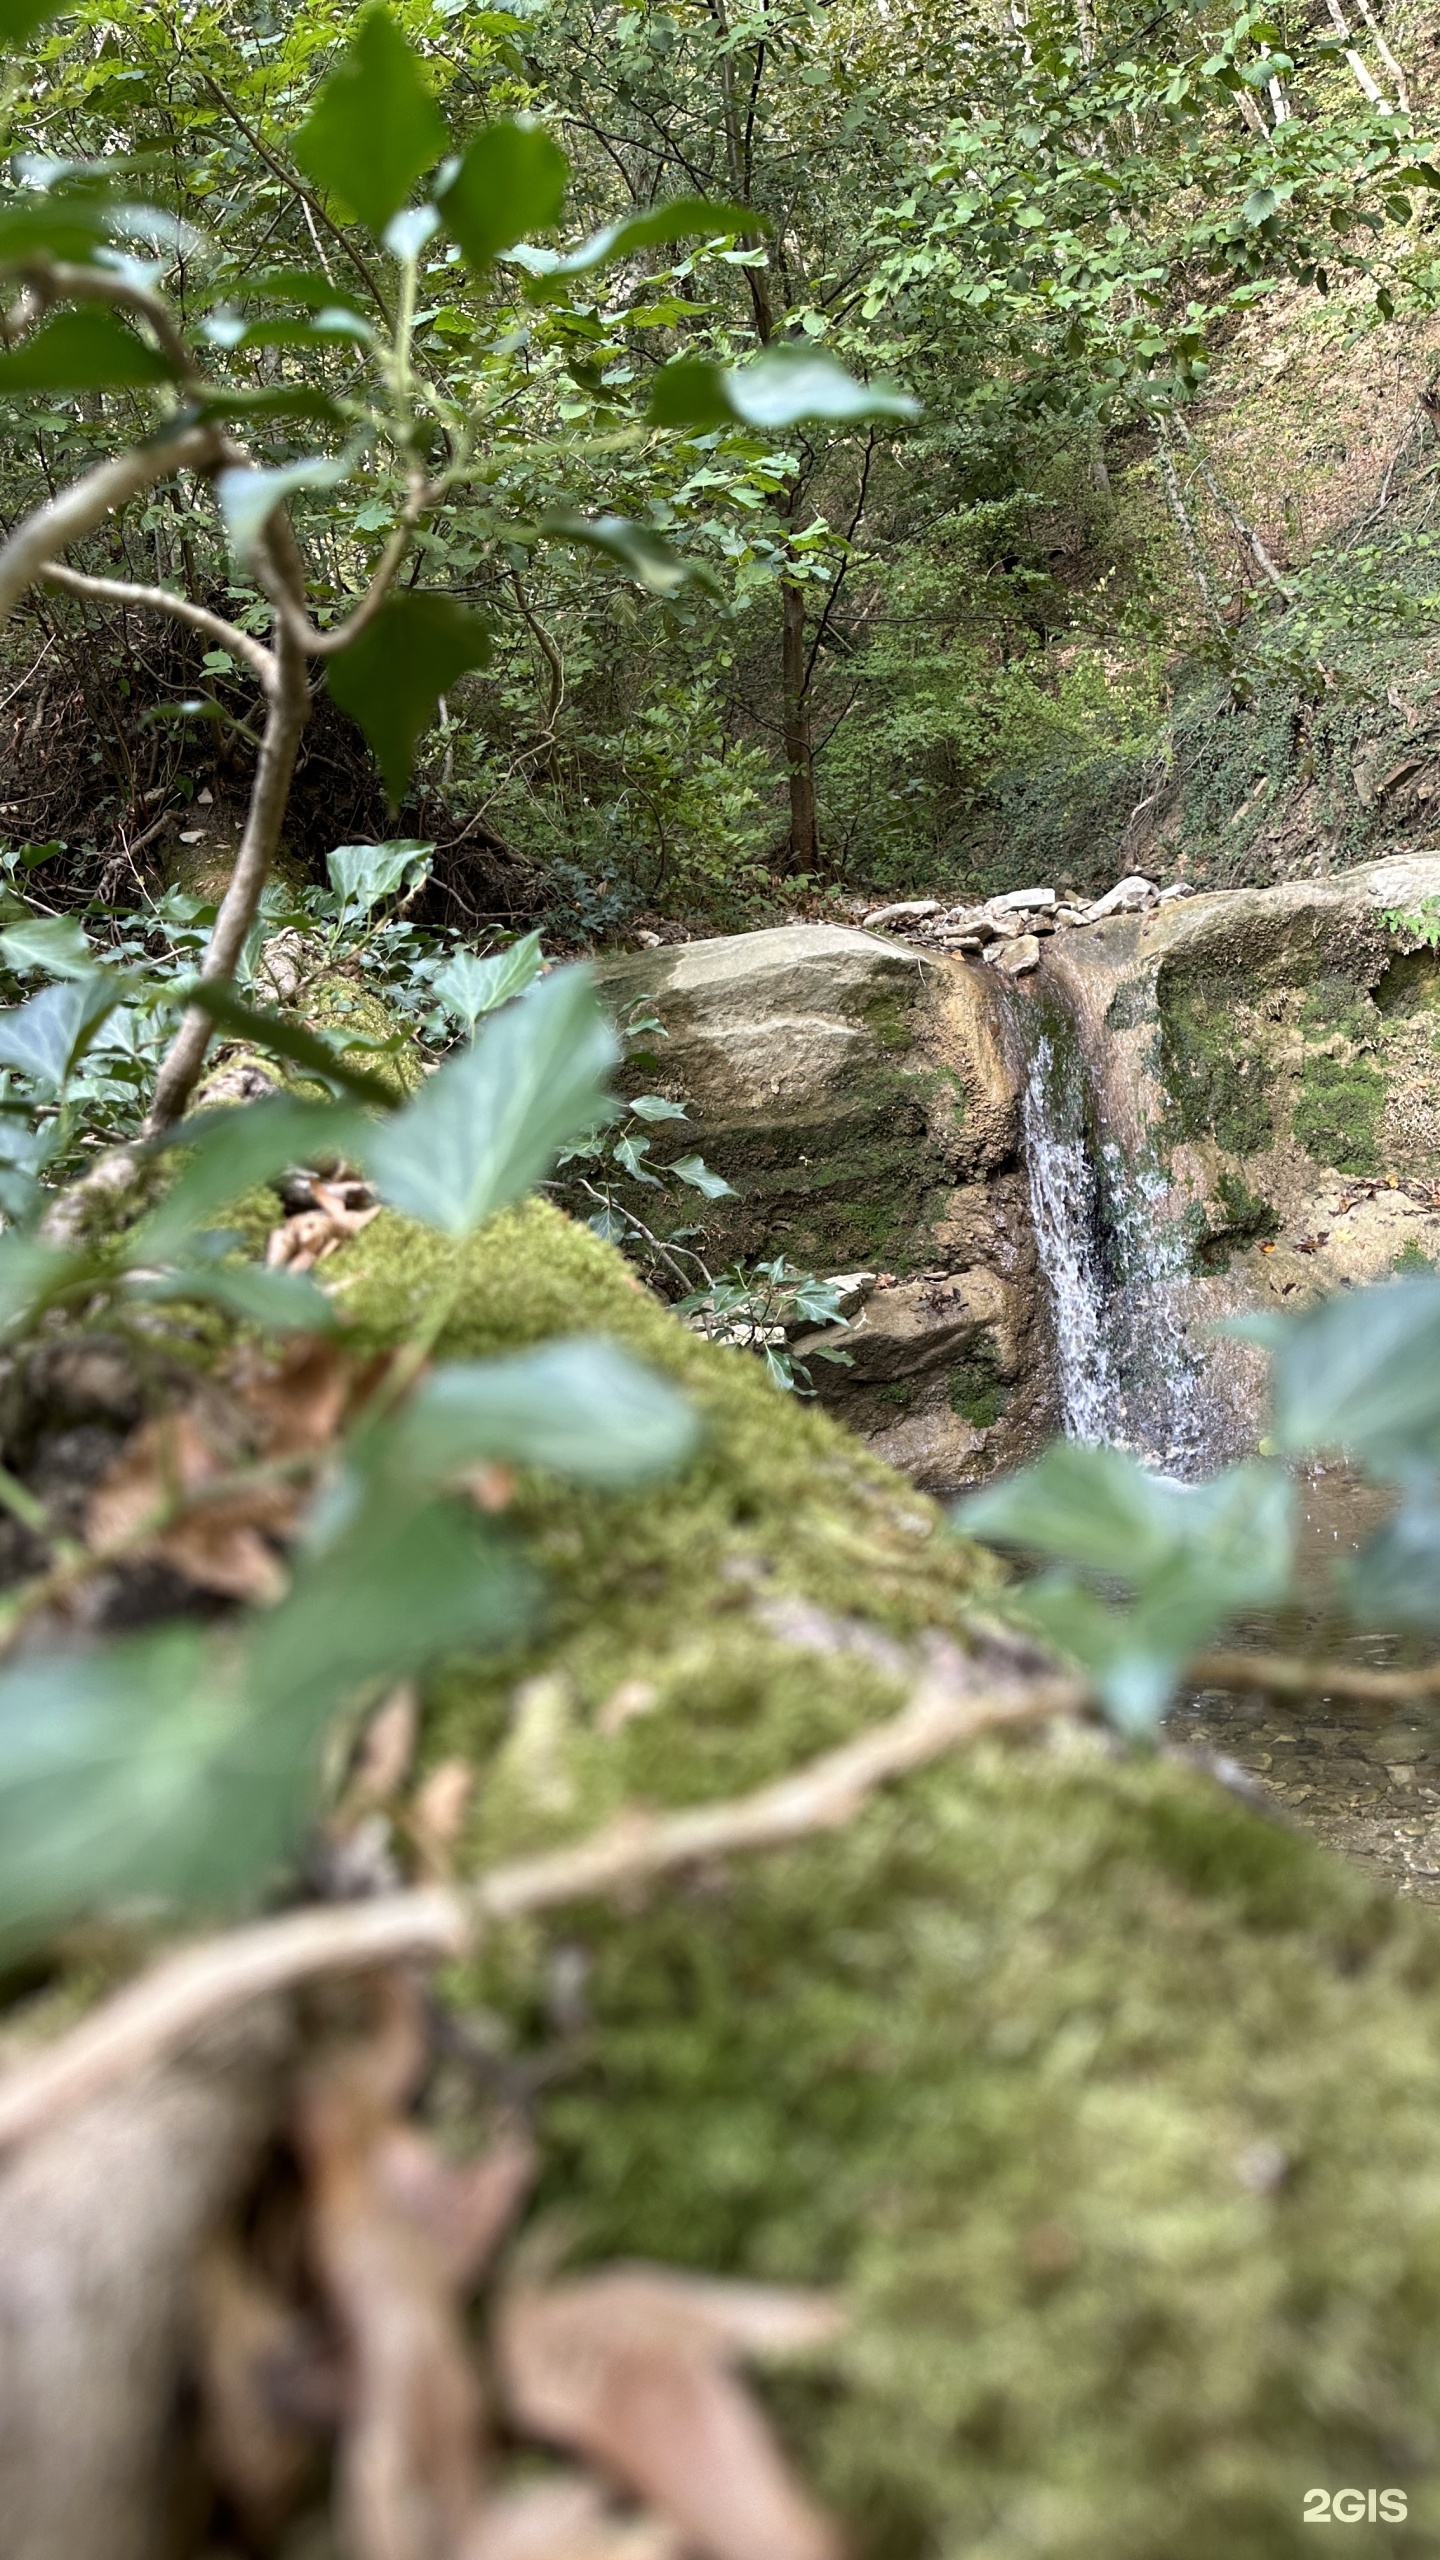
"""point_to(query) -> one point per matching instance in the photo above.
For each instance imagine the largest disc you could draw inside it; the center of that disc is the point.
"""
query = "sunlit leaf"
(363, 874)
(249, 498)
(683, 218)
(776, 389)
(489, 1122)
(695, 1171)
(84, 350)
(511, 181)
(469, 986)
(391, 678)
(583, 1409)
(374, 128)
(654, 1106)
(52, 943)
(641, 553)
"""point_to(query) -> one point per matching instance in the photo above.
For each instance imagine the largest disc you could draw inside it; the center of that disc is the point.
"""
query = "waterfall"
(1116, 1268)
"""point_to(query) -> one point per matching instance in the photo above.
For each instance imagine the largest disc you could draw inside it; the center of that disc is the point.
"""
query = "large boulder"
(858, 1095)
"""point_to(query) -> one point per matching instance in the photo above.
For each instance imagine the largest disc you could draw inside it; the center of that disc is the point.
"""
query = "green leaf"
(1259, 205)
(683, 218)
(54, 943)
(374, 128)
(1359, 1374)
(277, 1301)
(489, 1122)
(229, 1152)
(30, 1274)
(651, 562)
(20, 18)
(249, 498)
(363, 874)
(628, 1152)
(282, 1039)
(777, 389)
(46, 1037)
(469, 986)
(82, 351)
(695, 1171)
(392, 677)
(654, 1106)
(584, 1409)
(510, 182)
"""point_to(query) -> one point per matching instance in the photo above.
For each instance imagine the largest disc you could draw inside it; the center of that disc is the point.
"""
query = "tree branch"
(191, 1991)
(1285, 1675)
(88, 501)
(76, 582)
(49, 280)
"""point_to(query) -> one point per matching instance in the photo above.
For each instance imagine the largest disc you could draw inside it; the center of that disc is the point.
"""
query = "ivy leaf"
(510, 182)
(695, 1171)
(469, 986)
(30, 1272)
(46, 1037)
(648, 560)
(391, 678)
(277, 1301)
(488, 1123)
(54, 943)
(683, 218)
(777, 389)
(374, 127)
(654, 1106)
(363, 874)
(249, 498)
(82, 351)
(583, 1409)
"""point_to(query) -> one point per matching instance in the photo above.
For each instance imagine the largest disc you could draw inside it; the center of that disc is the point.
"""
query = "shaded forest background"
(1151, 580)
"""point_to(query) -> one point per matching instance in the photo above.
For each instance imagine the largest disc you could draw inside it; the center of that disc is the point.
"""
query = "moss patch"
(1214, 1070)
(976, 1390)
(1114, 2109)
(1337, 1116)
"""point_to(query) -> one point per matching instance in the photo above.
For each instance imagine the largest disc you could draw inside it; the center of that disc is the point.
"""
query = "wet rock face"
(857, 1095)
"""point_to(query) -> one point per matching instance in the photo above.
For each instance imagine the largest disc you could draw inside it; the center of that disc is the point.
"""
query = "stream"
(1132, 1374)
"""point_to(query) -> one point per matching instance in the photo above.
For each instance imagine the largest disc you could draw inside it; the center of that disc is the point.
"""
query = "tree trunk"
(799, 750)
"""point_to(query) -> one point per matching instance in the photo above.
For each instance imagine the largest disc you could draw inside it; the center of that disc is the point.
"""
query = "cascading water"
(1113, 1263)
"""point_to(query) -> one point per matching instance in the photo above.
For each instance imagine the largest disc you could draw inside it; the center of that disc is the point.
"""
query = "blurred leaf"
(683, 218)
(374, 128)
(20, 18)
(651, 562)
(48, 1035)
(488, 1123)
(1395, 1580)
(55, 943)
(776, 389)
(277, 1301)
(391, 678)
(249, 498)
(511, 181)
(583, 1409)
(229, 1152)
(284, 1039)
(84, 350)
(1192, 1555)
(363, 874)
(30, 1273)
(695, 1171)
(1359, 1373)
(469, 986)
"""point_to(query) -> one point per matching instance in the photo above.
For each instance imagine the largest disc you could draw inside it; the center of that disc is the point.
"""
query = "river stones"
(858, 1095)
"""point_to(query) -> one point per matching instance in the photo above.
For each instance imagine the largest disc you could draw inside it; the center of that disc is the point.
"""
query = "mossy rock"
(1112, 2108)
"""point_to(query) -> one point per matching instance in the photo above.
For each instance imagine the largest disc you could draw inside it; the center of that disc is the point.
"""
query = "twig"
(89, 500)
(1284, 1675)
(228, 635)
(186, 1993)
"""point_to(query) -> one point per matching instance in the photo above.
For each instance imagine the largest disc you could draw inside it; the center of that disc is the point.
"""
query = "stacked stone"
(1006, 931)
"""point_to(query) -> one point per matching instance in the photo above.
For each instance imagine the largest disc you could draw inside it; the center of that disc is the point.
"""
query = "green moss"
(1411, 1259)
(1113, 2109)
(1245, 1217)
(1337, 1115)
(976, 1389)
(1215, 1075)
(1132, 1004)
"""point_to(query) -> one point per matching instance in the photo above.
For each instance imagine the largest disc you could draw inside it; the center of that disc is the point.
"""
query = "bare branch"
(1285, 1675)
(88, 501)
(228, 635)
(1402, 85)
(1364, 78)
(189, 1992)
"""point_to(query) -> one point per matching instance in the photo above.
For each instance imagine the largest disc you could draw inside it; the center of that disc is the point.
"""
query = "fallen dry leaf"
(631, 2368)
(220, 1545)
(398, 2235)
(310, 1235)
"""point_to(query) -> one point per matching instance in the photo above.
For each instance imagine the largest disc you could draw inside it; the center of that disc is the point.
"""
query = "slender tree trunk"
(799, 746)
(288, 709)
